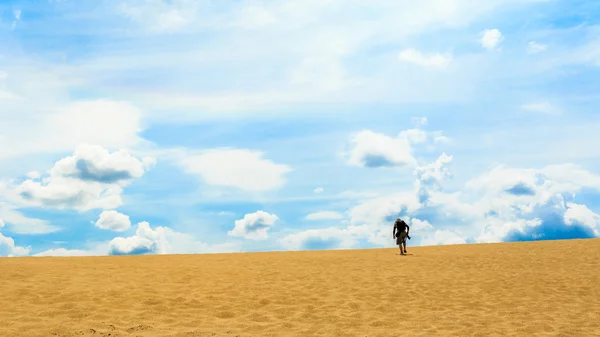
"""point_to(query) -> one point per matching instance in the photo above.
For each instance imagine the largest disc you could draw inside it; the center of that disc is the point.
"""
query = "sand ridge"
(547, 288)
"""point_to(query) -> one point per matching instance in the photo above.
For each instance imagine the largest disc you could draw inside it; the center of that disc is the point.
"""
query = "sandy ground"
(517, 289)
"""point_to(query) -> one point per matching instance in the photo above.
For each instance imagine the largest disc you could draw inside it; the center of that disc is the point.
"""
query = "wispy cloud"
(535, 47)
(542, 107)
(324, 215)
(427, 61)
(17, 15)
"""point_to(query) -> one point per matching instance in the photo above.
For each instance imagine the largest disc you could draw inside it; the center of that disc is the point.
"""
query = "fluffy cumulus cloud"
(239, 168)
(94, 163)
(9, 248)
(163, 240)
(113, 220)
(529, 204)
(429, 177)
(254, 226)
(90, 178)
(145, 241)
(581, 215)
(370, 149)
(491, 39)
(503, 204)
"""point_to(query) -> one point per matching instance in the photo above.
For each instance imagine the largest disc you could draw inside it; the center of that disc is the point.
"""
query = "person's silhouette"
(401, 230)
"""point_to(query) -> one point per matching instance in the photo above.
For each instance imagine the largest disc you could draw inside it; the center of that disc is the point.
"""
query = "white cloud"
(542, 107)
(420, 225)
(491, 39)
(501, 204)
(324, 215)
(66, 252)
(254, 226)
(289, 41)
(145, 241)
(443, 237)
(415, 136)
(374, 217)
(375, 150)
(529, 203)
(498, 229)
(419, 121)
(419, 136)
(90, 178)
(67, 193)
(375, 210)
(8, 247)
(534, 47)
(164, 240)
(21, 224)
(427, 61)
(430, 176)
(318, 190)
(113, 220)
(160, 16)
(94, 163)
(370, 149)
(322, 239)
(581, 214)
(33, 175)
(105, 123)
(1, 223)
(239, 168)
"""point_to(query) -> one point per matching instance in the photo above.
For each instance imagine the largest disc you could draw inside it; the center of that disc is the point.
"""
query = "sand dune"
(516, 289)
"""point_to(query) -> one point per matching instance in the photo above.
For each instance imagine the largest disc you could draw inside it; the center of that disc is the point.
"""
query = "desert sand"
(511, 289)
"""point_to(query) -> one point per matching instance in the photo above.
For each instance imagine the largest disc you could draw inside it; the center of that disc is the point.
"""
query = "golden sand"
(510, 289)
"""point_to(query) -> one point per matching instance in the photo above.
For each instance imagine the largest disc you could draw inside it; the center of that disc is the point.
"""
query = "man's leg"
(404, 243)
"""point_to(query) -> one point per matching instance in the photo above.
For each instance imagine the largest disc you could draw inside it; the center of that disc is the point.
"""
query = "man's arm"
(407, 231)
(394, 230)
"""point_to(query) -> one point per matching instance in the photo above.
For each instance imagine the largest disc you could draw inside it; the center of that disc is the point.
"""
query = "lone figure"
(401, 230)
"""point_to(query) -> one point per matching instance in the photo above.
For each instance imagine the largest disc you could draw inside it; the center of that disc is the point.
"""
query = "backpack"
(400, 225)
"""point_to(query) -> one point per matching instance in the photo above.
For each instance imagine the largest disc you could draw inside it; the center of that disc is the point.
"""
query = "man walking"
(401, 230)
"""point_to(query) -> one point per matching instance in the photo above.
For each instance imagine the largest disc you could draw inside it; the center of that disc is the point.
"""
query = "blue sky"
(151, 126)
